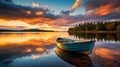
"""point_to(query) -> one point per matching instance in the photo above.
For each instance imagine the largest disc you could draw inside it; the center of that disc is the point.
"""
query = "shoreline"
(94, 32)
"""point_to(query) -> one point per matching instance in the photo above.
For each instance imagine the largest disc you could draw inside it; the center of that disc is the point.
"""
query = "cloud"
(76, 5)
(96, 10)
(46, 7)
(67, 12)
(11, 11)
(35, 5)
(103, 9)
(34, 15)
(69, 19)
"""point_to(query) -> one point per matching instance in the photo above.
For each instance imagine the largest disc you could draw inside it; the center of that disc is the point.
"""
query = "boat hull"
(82, 47)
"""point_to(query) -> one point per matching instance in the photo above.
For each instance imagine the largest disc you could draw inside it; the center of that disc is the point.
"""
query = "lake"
(39, 49)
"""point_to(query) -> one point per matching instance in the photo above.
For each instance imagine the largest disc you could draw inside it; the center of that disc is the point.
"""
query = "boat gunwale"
(67, 43)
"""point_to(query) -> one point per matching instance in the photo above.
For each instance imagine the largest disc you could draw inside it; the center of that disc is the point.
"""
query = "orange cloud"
(39, 13)
(28, 50)
(4, 22)
(76, 5)
(39, 20)
(104, 10)
(28, 12)
(42, 23)
(34, 15)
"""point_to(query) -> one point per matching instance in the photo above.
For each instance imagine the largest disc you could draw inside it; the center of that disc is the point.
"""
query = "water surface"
(39, 50)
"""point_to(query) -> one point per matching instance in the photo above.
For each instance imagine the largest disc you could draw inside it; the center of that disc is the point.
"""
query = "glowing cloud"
(76, 5)
(13, 23)
(33, 15)
(35, 5)
(39, 49)
(103, 7)
(105, 10)
(28, 12)
(39, 13)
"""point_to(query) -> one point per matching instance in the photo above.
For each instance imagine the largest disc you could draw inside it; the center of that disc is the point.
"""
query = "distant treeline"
(97, 26)
(26, 30)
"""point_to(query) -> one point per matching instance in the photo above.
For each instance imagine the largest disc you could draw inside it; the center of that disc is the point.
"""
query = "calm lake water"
(39, 50)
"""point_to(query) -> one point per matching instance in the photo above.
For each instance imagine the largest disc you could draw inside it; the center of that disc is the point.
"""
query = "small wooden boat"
(76, 59)
(85, 47)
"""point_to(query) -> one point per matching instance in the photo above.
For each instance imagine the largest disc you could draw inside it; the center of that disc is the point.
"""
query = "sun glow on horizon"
(17, 24)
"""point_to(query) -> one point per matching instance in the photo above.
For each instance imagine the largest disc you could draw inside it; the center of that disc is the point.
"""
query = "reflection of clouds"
(9, 53)
(28, 50)
(39, 49)
(30, 38)
(35, 57)
(107, 57)
(45, 52)
(15, 45)
(106, 54)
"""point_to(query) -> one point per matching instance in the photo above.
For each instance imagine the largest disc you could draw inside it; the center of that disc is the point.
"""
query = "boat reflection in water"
(76, 59)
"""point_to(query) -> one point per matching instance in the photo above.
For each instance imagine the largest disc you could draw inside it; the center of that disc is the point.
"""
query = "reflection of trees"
(98, 36)
(118, 35)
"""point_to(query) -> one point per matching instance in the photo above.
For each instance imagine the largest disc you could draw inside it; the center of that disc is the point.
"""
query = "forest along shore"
(97, 27)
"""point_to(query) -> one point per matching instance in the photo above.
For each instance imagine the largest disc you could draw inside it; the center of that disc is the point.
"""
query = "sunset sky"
(55, 14)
